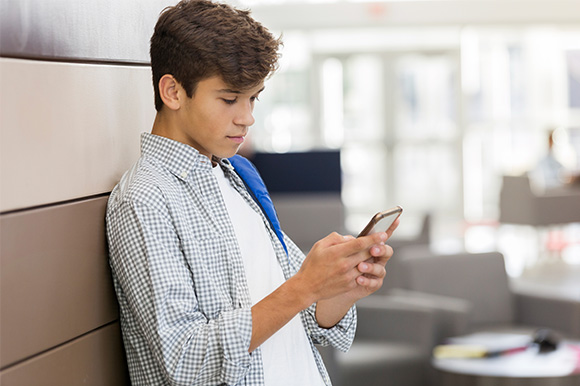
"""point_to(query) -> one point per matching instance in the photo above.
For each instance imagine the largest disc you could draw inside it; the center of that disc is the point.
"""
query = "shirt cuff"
(339, 336)
(236, 330)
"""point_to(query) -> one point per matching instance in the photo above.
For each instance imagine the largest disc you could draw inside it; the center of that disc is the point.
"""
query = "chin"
(226, 154)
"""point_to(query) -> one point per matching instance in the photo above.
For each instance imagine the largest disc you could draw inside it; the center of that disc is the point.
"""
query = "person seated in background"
(211, 291)
(548, 173)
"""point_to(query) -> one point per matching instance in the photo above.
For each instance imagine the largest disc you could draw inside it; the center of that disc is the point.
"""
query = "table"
(524, 368)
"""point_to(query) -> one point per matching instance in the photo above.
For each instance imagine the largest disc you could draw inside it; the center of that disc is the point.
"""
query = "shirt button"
(184, 174)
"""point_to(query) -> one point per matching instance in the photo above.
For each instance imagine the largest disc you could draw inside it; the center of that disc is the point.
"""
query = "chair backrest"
(478, 278)
(515, 201)
(520, 205)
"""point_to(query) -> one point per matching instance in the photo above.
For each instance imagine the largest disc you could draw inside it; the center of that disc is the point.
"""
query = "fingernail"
(384, 236)
(364, 266)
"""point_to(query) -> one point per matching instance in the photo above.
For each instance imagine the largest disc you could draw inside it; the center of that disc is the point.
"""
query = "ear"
(169, 90)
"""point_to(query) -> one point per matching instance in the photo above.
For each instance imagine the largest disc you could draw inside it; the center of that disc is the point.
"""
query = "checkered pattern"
(179, 275)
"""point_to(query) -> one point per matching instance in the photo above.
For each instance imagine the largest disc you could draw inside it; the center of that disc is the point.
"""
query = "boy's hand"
(372, 273)
(344, 266)
(373, 270)
(369, 277)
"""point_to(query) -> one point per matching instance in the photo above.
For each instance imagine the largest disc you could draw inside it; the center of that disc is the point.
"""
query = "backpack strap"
(255, 185)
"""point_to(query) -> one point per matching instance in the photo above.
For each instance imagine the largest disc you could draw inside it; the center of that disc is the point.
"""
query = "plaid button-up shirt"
(179, 276)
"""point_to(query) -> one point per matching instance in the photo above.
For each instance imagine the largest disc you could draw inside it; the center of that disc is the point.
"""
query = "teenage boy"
(211, 291)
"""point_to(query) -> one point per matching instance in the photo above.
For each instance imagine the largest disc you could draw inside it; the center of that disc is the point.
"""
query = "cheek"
(215, 114)
(208, 119)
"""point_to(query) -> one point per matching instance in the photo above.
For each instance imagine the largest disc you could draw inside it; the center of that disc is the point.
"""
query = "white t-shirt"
(287, 357)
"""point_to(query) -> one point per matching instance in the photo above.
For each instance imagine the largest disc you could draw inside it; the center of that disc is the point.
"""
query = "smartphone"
(381, 221)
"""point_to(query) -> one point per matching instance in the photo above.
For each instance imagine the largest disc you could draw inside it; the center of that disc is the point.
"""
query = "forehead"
(217, 85)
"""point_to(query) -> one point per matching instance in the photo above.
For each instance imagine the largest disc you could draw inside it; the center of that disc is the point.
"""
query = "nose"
(245, 115)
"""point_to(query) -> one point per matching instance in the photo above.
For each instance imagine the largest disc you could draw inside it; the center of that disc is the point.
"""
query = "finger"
(328, 241)
(355, 245)
(381, 253)
(333, 239)
(372, 270)
(378, 250)
(371, 284)
(393, 226)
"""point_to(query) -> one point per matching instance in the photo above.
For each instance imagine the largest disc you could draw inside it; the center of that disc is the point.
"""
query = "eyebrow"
(230, 91)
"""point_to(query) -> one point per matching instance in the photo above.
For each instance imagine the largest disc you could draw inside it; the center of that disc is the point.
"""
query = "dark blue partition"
(303, 172)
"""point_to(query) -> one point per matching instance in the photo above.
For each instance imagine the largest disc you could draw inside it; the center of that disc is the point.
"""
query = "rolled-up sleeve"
(340, 335)
(166, 334)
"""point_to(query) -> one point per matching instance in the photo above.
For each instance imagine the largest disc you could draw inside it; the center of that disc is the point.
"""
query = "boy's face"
(216, 119)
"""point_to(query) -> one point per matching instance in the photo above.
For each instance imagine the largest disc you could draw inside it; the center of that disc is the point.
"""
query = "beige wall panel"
(68, 130)
(79, 29)
(55, 282)
(96, 359)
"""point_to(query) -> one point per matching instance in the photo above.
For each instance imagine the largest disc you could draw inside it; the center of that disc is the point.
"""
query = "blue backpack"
(255, 185)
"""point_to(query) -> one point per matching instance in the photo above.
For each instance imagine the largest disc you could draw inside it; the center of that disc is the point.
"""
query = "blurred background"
(464, 112)
(430, 106)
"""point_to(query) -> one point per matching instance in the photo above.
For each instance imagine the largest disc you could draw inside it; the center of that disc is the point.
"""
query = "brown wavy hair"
(197, 39)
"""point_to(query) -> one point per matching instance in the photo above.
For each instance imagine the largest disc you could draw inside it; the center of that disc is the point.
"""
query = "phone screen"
(381, 221)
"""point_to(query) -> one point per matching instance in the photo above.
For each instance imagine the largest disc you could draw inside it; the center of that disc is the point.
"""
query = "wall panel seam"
(72, 60)
(58, 345)
(55, 204)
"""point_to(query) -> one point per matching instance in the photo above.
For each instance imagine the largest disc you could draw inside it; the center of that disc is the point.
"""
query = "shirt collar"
(180, 159)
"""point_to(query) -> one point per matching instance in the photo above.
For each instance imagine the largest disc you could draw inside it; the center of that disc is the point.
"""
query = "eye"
(254, 98)
(230, 101)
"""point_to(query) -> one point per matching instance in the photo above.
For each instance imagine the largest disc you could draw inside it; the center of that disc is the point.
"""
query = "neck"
(162, 125)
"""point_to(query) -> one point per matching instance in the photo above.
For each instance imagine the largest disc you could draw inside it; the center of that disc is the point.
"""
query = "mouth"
(236, 139)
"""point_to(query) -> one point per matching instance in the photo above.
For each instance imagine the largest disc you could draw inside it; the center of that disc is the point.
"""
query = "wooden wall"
(75, 94)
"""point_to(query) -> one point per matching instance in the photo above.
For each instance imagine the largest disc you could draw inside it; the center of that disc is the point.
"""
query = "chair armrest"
(381, 318)
(551, 311)
(452, 316)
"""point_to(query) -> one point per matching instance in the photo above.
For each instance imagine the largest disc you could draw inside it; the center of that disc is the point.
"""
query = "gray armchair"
(392, 346)
(519, 204)
(481, 280)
